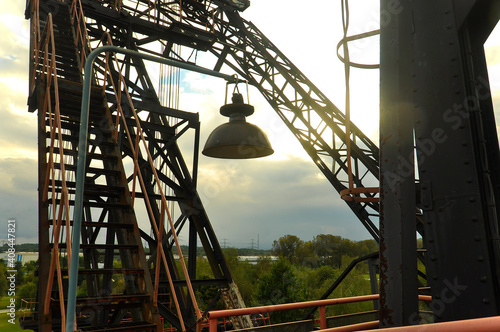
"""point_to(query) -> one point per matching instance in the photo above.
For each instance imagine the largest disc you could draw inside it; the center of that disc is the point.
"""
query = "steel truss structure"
(134, 156)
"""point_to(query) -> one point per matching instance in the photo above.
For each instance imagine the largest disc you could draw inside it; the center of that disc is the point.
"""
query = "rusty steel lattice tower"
(133, 274)
(133, 155)
(133, 277)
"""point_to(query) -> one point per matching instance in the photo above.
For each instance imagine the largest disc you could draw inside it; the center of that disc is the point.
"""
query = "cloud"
(14, 37)
(270, 197)
(493, 55)
(273, 198)
(18, 127)
(19, 197)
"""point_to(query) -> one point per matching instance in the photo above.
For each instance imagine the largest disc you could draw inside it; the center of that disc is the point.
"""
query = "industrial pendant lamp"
(237, 139)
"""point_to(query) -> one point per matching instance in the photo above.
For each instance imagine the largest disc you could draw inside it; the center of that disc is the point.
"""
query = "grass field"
(4, 301)
(5, 326)
(4, 318)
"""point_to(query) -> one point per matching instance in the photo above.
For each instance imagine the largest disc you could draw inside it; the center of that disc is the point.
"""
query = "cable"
(347, 70)
(346, 39)
(351, 193)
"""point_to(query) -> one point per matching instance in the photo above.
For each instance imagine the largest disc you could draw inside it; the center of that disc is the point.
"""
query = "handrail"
(82, 148)
(81, 37)
(44, 69)
(27, 307)
(214, 315)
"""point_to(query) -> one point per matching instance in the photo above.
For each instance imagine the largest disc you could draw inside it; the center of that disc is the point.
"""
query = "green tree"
(308, 256)
(26, 291)
(280, 285)
(330, 248)
(263, 265)
(3, 280)
(208, 296)
(243, 273)
(354, 284)
(18, 266)
(30, 269)
(289, 247)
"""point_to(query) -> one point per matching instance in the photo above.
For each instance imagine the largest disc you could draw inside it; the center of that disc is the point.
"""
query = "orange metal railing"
(81, 38)
(44, 69)
(213, 316)
(27, 308)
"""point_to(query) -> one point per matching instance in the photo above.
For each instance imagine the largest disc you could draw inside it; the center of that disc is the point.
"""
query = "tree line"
(21, 247)
(324, 249)
(304, 271)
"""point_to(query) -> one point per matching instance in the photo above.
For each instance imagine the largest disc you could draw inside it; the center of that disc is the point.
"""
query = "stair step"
(89, 193)
(72, 121)
(90, 185)
(71, 106)
(62, 64)
(75, 139)
(102, 205)
(64, 272)
(91, 190)
(97, 224)
(97, 156)
(124, 326)
(102, 246)
(110, 299)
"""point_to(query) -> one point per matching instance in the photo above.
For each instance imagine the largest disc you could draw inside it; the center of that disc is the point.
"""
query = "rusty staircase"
(116, 298)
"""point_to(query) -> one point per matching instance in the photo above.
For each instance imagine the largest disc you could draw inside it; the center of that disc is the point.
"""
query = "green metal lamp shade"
(237, 139)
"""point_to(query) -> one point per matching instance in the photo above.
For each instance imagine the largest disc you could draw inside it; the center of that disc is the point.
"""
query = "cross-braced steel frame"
(134, 154)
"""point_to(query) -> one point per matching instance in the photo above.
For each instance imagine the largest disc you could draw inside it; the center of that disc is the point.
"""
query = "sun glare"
(492, 50)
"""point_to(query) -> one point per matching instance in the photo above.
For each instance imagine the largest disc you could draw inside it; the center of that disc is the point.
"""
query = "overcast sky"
(247, 201)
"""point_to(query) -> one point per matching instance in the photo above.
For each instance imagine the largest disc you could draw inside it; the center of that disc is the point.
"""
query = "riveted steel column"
(457, 200)
(398, 260)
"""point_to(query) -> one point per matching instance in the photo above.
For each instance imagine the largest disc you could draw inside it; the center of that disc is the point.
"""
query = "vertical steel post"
(322, 318)
(398, 255)
(212, 325)
(455, 168)
(373, 264)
